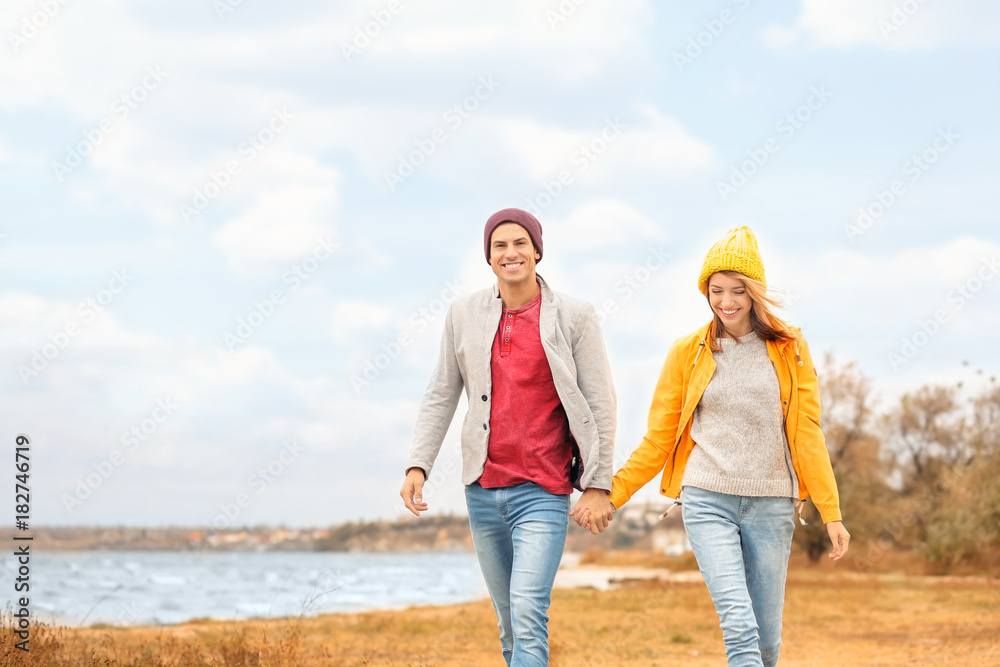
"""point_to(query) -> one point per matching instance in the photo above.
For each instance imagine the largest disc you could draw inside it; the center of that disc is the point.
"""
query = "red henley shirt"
(530, 438)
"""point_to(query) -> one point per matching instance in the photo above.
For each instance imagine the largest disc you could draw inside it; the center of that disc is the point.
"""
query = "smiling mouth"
(513, 266)
(729, 313)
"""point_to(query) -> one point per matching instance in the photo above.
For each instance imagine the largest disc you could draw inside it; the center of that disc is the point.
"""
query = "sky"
(230, 230)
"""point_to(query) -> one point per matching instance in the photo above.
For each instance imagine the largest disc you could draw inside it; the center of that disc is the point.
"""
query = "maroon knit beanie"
(523, 218)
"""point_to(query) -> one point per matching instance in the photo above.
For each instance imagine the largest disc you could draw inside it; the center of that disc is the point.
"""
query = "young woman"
(735, 429)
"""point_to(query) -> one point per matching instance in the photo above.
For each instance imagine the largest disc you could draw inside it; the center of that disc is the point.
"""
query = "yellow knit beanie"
(736, 251)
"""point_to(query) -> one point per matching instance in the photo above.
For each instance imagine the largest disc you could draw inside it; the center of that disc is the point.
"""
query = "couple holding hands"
(734, 434)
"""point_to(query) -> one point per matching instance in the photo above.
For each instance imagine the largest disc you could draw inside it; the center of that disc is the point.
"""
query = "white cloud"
(488, 147)
(542, 150)
(350, 317)
(612, 148)
(601, 223)
(224, 78)
(148, 159)
(891, 24)
(230, 410)
(140, 164)
(780, 36)
(583, 40)
(16, 308)
(31, 323)
(660, 146)
(907, 275)
(69, 63)
(283, 224)
(63, 62)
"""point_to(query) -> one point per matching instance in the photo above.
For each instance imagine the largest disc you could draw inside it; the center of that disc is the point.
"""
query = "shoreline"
(831, 619)
(595, 570)
(571, 576)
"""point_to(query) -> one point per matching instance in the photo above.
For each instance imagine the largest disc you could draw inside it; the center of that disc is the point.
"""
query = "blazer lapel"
(491, 320)
(546, 316)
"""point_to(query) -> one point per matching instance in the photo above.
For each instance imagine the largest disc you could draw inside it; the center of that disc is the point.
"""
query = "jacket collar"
(546, 292)
(703, 332)
(702, 335)
(546, 315)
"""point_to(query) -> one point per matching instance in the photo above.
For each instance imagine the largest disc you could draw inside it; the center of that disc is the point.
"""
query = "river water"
(162, 587)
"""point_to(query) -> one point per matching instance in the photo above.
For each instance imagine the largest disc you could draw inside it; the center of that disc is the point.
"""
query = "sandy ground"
(604, 578)
(832, 618)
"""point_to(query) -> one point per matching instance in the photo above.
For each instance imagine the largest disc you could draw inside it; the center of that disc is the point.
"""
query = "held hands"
(840, 538)
(412, 491)
(593, 511)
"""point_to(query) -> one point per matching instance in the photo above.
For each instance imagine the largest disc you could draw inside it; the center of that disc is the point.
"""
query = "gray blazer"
(571, 337)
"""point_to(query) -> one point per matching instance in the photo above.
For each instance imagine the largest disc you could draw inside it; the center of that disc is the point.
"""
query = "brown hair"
(763, 320)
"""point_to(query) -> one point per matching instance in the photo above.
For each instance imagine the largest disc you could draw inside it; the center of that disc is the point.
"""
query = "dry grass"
(832, 618)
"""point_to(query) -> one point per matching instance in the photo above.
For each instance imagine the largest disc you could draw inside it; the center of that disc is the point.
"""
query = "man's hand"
(593, 511)
(412, 491)
(840, 538)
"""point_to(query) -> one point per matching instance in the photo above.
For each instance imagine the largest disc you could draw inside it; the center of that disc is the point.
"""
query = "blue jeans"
(519, 533)
(742, 545)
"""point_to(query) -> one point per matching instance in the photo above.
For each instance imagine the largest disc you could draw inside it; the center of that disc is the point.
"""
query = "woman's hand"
(594, 510)
(840, 538)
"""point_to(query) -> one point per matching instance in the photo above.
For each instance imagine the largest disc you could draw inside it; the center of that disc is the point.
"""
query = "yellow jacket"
(686, 373)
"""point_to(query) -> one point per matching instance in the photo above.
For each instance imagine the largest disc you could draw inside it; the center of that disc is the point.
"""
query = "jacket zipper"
(701, 346)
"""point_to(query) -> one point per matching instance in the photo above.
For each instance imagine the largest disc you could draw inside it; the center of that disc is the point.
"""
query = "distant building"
(667, 535)
(671, 540)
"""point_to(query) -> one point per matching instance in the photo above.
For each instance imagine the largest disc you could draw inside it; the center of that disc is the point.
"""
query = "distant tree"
(963, 525)
(847, 419)
(984, 439)
(925, 435)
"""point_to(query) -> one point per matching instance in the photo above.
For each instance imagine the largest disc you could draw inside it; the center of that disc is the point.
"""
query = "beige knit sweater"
(740, 444)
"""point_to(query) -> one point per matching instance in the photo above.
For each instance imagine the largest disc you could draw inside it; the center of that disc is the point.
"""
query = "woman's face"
(729, 299)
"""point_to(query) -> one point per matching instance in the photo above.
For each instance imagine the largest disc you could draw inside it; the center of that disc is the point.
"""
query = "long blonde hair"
(763, 320)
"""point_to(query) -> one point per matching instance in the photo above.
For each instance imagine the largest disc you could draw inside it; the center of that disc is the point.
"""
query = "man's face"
(512, 254)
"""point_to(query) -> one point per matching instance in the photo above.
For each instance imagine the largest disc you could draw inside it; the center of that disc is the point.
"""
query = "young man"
(541, 420)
